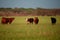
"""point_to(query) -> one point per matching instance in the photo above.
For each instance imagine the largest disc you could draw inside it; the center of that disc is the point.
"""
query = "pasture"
(20, 30)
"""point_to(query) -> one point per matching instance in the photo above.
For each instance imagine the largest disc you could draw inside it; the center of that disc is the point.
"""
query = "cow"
(6, 20)
(3, 21)
(11, 20)
(36, 20)
(53, 20)
(30, 20)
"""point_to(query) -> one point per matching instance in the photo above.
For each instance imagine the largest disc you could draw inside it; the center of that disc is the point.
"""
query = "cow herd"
(7, 20)
(36, 20)
(30, 20)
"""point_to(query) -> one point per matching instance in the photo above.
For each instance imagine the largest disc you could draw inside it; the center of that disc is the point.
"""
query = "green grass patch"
(20, 30)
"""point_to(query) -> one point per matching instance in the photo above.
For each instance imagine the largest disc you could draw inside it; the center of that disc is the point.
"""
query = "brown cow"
(4, 20)
(36, 20)
(11, 20)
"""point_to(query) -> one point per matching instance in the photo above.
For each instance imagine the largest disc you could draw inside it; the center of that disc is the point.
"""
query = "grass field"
(20, 30)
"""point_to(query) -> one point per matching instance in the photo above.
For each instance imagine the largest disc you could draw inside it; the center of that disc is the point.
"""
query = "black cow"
(30, 20)
(53, 20)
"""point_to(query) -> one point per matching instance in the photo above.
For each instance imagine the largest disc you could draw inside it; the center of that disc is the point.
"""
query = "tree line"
(29, 11)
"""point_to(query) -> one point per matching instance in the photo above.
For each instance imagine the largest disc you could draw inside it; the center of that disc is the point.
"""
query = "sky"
(30, 3)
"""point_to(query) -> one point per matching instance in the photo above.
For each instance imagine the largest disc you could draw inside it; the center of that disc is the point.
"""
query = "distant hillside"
(28, 11)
